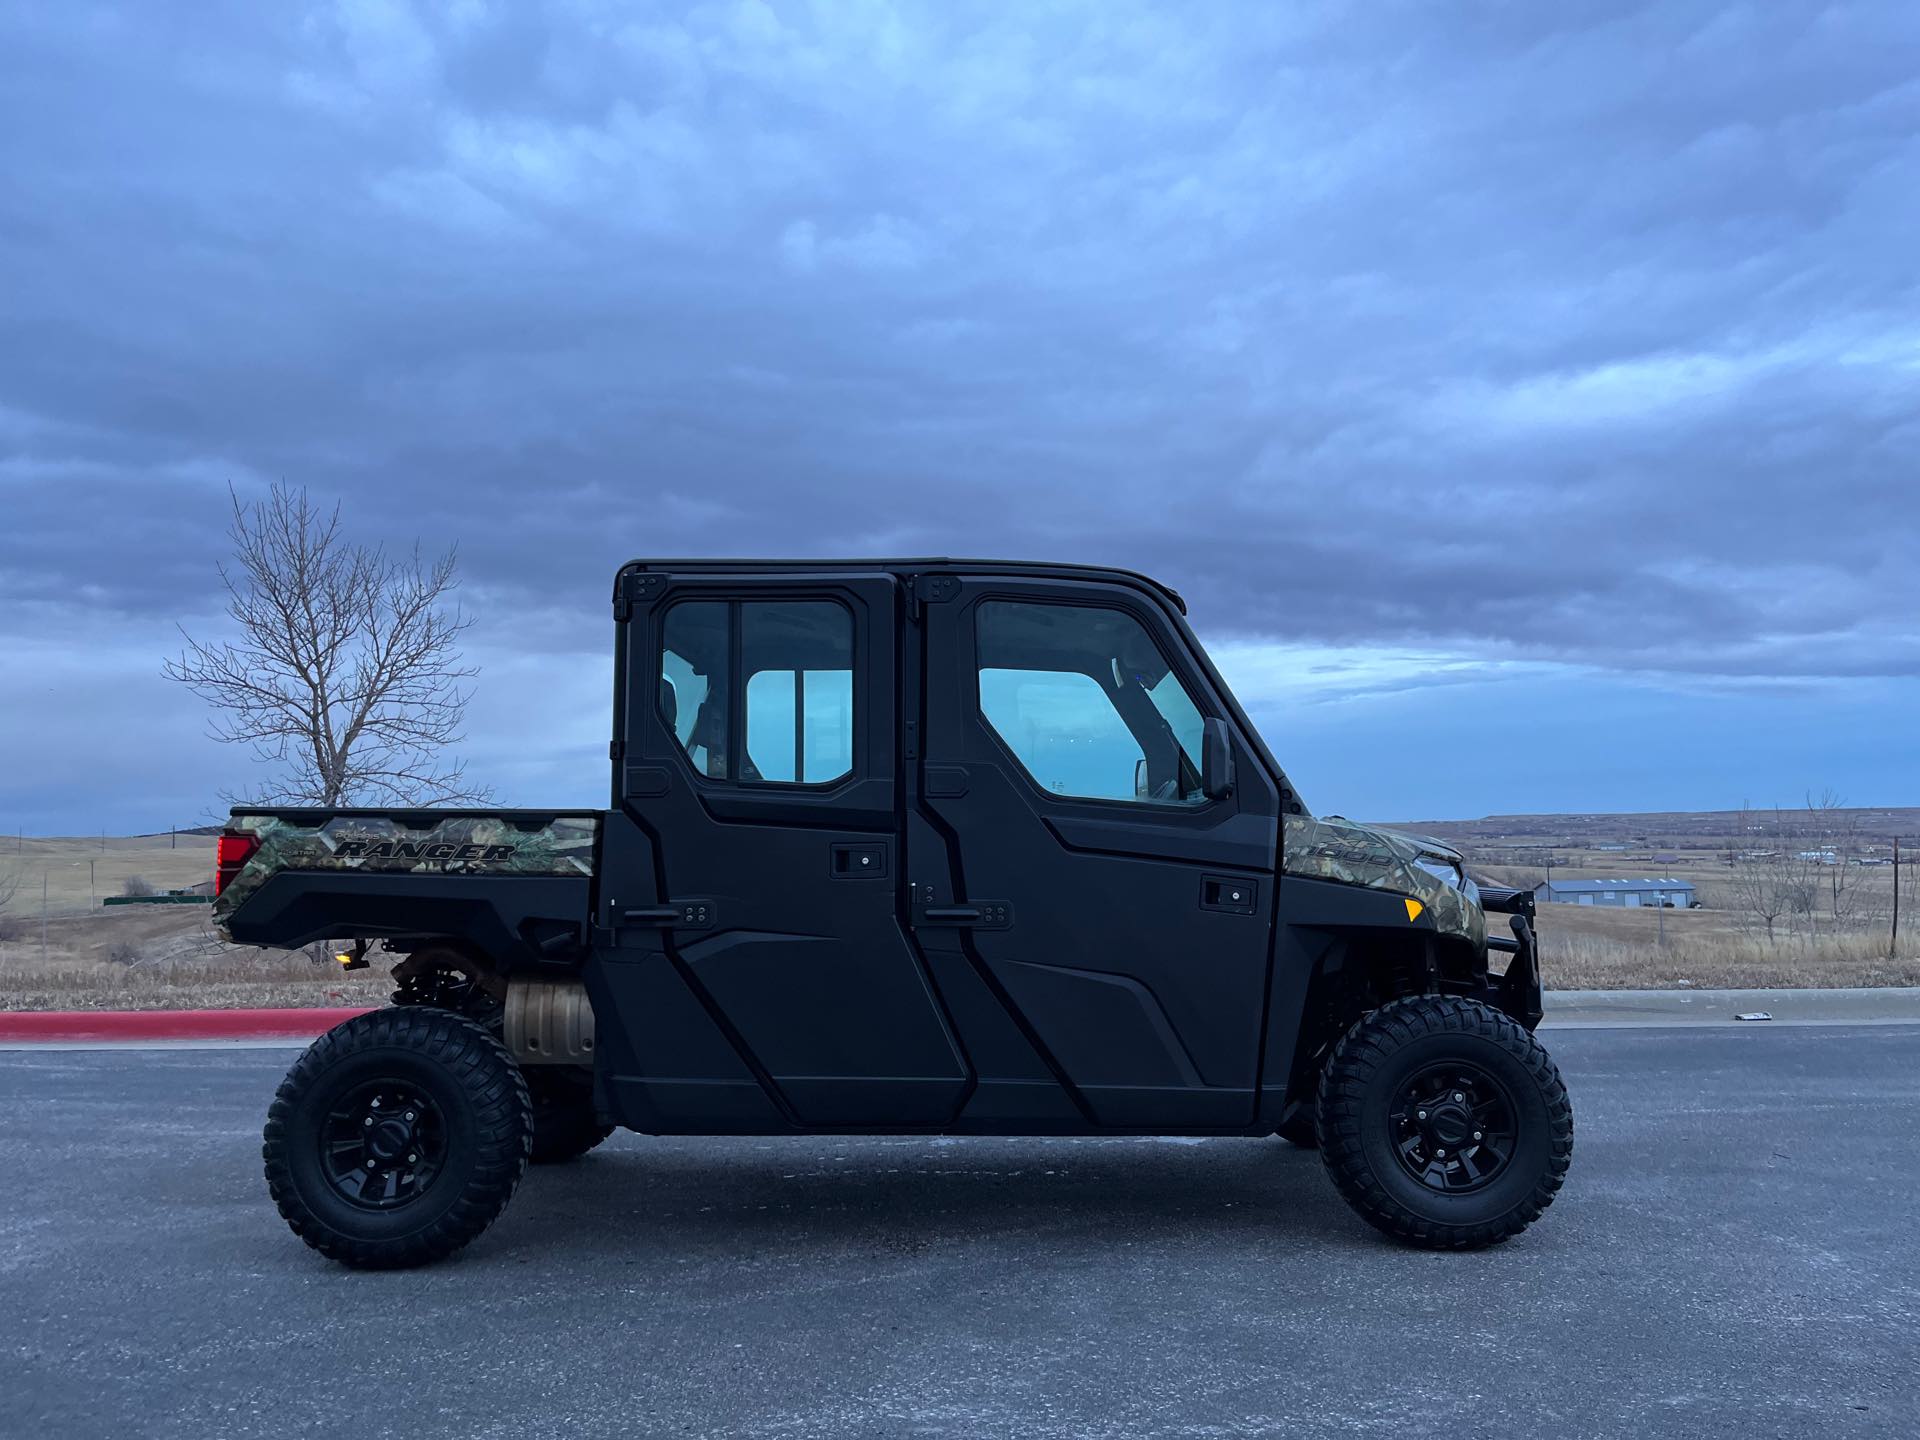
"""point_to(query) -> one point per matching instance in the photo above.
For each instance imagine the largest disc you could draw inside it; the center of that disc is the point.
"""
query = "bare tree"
(347, 673)
(1834, 832)
(1769, 880)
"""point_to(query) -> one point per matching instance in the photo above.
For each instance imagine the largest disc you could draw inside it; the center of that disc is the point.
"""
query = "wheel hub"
(1448, 1123)
(389, 1139)
(1453, 1127)
(382, 1145)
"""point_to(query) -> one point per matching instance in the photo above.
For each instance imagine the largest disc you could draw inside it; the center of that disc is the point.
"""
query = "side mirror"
(1216, 760)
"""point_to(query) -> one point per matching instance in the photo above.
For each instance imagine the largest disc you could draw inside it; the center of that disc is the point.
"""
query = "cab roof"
(905, 565)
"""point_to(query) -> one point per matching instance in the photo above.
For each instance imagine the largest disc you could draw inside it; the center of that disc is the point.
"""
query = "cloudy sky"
(1527, 397)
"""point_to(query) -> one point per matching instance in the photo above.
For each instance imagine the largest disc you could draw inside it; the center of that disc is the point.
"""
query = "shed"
(1666, 891)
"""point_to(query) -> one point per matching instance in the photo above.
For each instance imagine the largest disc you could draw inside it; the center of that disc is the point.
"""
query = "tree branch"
(345, 673)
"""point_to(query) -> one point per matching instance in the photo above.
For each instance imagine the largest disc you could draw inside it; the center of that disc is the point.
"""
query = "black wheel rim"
(382, 1145)
(1453, 1128)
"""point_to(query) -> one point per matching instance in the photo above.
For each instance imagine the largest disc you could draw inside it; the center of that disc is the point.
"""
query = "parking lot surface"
(1735, 1254)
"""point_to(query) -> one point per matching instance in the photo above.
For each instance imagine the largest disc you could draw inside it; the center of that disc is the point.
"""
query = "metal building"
(1676, 894)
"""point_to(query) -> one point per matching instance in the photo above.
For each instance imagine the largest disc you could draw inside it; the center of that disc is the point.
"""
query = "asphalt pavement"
(1735, 1254)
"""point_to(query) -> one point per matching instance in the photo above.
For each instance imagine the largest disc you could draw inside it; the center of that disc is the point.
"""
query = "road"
(1735, 1254)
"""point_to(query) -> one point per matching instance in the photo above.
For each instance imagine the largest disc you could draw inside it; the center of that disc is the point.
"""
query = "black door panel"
(1130, 927)
(1146, 1000)
(791, 942)
(1107, 1029)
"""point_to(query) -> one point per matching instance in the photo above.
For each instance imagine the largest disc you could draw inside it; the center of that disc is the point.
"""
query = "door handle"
(978, 915)
(685, 915)
(865, 860)
(1224, 892)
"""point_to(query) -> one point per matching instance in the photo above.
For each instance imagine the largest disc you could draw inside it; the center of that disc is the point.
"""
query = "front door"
(1124, 915)
(761, 765)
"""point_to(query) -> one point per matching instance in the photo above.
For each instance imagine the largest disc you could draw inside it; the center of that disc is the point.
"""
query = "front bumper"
(1518, 991)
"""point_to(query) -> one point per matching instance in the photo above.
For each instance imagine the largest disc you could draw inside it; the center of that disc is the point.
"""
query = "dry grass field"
(1596, 948)
(1721, 944)
(87, 956)
(167, 957)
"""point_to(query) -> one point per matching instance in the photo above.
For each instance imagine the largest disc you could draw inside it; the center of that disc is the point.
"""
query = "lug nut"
(1457, 1098)
(1476, 1134)
(1441, 1153)
(412, 1159)
(1423, 1114)
(410, 1113)
(368, 1121)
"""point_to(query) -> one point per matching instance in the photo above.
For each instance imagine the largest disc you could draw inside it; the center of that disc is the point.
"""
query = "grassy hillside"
(78, 871)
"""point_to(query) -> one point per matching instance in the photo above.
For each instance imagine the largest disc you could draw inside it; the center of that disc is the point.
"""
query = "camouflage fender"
(1354, 854)
(466, 844)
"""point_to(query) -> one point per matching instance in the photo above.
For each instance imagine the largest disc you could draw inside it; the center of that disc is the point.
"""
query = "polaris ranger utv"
(932, 847)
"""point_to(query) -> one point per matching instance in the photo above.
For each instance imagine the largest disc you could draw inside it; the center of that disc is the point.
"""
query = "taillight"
(230, 858)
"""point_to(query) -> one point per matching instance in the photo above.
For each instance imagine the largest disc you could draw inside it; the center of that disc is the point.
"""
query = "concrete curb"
(1597, 1009)
(89, 1028)
(1566, 1010)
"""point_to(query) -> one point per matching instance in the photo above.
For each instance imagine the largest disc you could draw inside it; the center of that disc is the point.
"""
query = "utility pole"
(43, 916)
(90, 895)
(1893, 940)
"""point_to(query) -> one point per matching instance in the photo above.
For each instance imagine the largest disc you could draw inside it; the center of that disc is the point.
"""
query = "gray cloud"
(1580, 333)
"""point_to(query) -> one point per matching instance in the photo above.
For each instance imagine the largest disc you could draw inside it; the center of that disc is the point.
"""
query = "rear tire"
(564, 1124)
(1444, 1123)
(397, 1137)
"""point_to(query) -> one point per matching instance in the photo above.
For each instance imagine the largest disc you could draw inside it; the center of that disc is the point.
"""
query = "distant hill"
(1656, 829)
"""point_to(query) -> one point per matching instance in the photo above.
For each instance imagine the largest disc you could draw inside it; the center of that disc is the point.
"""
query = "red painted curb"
(68, 1027)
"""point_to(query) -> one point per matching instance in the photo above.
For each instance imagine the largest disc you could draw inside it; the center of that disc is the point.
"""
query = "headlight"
(1451, 874)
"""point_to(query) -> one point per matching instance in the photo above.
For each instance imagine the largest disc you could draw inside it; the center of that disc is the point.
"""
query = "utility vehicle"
(939, 847)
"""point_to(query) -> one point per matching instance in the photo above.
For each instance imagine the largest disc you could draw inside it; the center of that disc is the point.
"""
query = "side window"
(694, 672)
(1087, 703)
(798, 662)
(791, 661)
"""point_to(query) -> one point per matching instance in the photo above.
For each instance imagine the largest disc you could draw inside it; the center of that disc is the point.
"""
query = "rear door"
(761, 762)
(1122, 914)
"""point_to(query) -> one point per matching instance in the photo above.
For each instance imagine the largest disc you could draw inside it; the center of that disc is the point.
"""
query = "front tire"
(397, 1137)
(1444, 1123)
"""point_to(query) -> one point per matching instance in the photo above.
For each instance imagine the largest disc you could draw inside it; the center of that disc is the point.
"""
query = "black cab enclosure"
(927, 846)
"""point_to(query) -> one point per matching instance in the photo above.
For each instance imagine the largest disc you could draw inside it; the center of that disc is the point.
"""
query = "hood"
(1354, 854)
